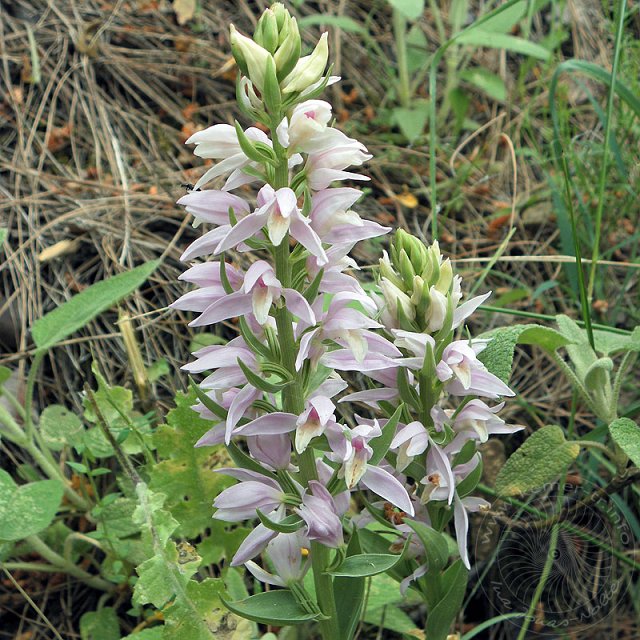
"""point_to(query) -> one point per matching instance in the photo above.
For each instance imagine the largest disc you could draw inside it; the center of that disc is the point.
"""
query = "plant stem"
(28, 395)
(67, 567)
(293, 401)
(605, 149)
(546, 570)
(399, 32)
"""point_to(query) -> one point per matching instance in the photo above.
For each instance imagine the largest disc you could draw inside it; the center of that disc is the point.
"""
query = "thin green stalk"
(28, 395)
(546, 571)
(548, 318)
(67, 567)
(584, 300)
(400, 32)
(605, 150)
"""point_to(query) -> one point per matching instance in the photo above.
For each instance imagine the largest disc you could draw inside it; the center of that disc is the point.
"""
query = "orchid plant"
(344, 486)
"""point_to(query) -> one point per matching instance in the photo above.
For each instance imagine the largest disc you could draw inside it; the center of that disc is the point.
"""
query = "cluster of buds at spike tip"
(275, 392)
(273, 73)
(421, 292)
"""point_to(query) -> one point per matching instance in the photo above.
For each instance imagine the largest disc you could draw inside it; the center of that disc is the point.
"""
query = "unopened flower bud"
(250, 56)
(281, 14)
(387, 271)
(288, 52)
(437, 310)
(406, 270)
(446, 277)
(308, 69)
(266, 33)
(395, 297)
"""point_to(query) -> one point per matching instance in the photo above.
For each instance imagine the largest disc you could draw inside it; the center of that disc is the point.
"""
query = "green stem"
(67, 567)
(28, 396)
(546, 571)
(605, 148)
(399, 31)
(293, 402)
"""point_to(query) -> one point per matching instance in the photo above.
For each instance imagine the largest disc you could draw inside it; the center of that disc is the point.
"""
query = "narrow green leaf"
(258, 381)
(210, 404)
(76, 312)
(366, 564)
(439, 619)
(435, 545)
(341, 22)
(290, 524)
(410, 9)
(626, 434)
(492, 40)
(381, 444)
(492, 84)
(541, 459)
(278, 608)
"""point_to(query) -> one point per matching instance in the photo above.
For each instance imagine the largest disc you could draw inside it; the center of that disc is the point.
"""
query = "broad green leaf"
(492, 84)
(116, 518)
(411, 120)
(434, 543)
(27, 509)
(498, 355)
(541, 459)
(279, 608)
(578, 347)
(154, 633)
(100, 625)
(184, 473)
(483, 38)
(199, 615)
(365, 564)
(439, 619)
(59, 427)
(410, 9)
(626, 434)
(417, 48)
(341, 22)
(597, 376)
(76, 312)
(608, 343)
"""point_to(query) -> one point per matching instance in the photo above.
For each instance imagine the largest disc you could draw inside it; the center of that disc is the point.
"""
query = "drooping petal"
(269, 424)
(231, 306)
(239, 406)
(245, 228)
(264, 576)
(461, 522)
(298, 305)
(386, 486)
(205, 244)
(467, 308)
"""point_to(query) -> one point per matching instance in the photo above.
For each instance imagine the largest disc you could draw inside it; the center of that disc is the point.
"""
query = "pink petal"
(231, 306)
(386, 486)
(246, 228)
(269, 424)
(298, 305)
